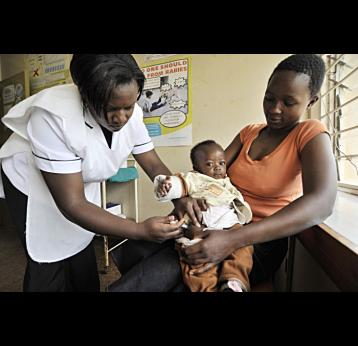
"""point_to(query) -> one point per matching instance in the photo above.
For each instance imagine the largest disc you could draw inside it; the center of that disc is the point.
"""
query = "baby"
(226, 208)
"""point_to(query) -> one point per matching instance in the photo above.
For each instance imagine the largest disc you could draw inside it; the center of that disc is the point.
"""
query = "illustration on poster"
(180, 82)
(165, 103)
(173, 119)
(157, 101)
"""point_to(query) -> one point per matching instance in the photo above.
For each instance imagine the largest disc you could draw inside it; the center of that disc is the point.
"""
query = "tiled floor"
(112, 273)
(13, 261)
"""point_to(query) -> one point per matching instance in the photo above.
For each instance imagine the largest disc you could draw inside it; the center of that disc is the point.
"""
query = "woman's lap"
(152, 267)
(147, 267)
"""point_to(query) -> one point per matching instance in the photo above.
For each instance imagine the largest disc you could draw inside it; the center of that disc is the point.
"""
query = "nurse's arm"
(67, 191)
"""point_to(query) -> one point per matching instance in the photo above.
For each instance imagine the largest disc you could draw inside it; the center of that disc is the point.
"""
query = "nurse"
(66, 140)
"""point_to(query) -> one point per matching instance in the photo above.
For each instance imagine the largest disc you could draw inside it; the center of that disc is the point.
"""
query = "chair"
(123, 175)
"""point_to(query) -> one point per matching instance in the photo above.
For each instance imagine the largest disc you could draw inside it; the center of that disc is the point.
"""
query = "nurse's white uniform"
(53, 134)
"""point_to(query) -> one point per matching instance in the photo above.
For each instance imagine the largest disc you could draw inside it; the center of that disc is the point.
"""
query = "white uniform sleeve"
(143, 141)
(51, 153)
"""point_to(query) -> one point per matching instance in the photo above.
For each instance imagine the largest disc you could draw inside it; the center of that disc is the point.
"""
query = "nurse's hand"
(191, 206)
(160, 228)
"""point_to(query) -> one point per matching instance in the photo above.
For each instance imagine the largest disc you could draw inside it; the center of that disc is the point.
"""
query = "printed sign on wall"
(165, 102)
(46, 70)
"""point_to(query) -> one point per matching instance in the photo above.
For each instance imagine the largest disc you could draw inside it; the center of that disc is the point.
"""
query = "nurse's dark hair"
(309, 64)
(200, 147)
(97, 75)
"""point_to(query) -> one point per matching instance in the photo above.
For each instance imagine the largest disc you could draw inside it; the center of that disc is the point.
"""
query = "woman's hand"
(159, 228)
(194, 232)
(192, 207)
(214, 247)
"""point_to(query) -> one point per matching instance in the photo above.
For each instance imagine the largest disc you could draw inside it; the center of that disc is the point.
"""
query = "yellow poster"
(46, 70)
(165, 102)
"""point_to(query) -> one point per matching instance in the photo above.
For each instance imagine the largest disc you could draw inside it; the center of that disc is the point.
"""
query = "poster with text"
(13, 90)
(46, 70)
(165, 102)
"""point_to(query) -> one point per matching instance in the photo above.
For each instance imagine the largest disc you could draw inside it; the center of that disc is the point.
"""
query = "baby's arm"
(164, 187)
(167, 188)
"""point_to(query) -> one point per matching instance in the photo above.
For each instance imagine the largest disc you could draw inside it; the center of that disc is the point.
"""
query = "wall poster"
(166, 102)
(13, 90)
(46, 70)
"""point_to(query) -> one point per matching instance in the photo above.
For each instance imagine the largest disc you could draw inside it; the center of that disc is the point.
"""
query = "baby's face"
(211, 162)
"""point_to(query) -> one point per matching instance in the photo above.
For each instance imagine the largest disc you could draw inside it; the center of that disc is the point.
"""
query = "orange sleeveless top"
(274, 181)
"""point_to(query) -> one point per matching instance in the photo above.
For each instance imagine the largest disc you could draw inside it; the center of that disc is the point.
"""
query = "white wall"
(11, 64)
(227, 94)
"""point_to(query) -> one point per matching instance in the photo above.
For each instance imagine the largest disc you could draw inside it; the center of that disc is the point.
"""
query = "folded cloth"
(220, 217)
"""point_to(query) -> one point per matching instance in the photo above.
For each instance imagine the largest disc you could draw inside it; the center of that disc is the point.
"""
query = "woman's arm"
(67, 191)
(319, 192)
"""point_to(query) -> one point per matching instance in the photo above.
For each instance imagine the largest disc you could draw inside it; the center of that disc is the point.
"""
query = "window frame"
(333, 61)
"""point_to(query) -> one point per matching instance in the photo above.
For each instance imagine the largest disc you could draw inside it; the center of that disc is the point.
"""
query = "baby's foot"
(231, 286)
